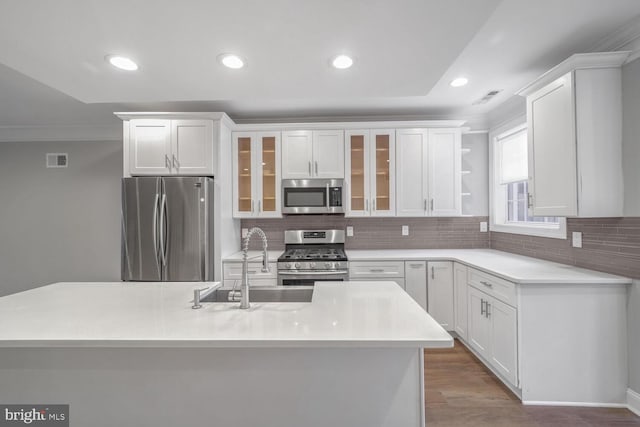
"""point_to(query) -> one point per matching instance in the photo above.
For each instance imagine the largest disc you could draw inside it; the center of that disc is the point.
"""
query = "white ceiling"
(52, 68)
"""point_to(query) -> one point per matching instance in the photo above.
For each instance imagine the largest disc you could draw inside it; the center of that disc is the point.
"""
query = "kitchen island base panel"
(216, 386)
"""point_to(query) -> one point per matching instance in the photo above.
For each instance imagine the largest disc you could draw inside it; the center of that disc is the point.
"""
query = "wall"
(59, 224)
(380, 233)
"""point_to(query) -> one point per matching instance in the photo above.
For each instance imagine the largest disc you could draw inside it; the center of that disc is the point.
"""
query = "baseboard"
(633, 401)
(582, 404)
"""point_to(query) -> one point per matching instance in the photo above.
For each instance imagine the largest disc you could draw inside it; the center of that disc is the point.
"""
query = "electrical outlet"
(405, 230)
(576, 239)
(349, 231)
(244, 233)
(483, 227)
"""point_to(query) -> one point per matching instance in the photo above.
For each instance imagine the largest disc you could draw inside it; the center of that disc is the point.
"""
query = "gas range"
(311, 256)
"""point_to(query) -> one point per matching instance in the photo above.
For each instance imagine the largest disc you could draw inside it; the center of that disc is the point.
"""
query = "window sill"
(528, 230)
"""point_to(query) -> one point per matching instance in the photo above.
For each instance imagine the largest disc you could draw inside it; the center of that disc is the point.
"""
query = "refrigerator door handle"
(163, 223)
(154, 224)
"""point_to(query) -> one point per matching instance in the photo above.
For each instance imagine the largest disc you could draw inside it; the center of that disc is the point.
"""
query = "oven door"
(308, 278)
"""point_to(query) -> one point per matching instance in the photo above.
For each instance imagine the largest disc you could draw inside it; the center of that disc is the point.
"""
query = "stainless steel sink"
(266, 294)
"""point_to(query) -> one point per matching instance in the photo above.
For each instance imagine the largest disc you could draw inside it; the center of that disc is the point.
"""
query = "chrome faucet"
(244, 291)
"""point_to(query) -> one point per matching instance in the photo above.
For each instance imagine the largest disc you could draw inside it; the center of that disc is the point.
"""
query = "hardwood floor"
(460, 391)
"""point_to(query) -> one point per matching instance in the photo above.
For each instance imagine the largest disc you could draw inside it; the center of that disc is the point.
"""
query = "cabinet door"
(440, 292)
(504, 344)
(297, 154)
(382, 172)
(415, 274)
(328, 154)
(357, 167)
(266, 161)
(552, 149)
(479, 333)
(150, 147)
(444, 172)
(243, 174)
(460, 300)
(411, 158)
(192, 147)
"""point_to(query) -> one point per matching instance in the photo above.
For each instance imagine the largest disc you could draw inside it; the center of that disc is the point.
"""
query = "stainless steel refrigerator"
(167, 229)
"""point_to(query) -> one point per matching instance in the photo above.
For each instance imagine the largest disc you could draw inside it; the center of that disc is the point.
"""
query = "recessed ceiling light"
(342, 62)
(122, 62)
(230, 60)
(460, 81)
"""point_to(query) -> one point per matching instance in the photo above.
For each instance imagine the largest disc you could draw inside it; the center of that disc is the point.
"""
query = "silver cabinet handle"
(309, 167)
(425, 204)
(431, 204)
(251, 271)
(167, 162)
(486, 309)
(176, 163)
(259, 205)
(482, 307)
(252, 205)
(487, 284)
(376, 270)
(316, 168)
(529, 200)
(433, 272)
(328, 201)
(366, 202)
(415, 265)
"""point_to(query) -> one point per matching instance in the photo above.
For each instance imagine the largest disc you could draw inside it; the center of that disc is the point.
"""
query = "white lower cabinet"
(415, 275)
(440, 292)
(493, 329)
(460, 300)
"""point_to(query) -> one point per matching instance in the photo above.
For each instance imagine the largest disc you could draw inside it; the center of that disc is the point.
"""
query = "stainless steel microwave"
(312, 196)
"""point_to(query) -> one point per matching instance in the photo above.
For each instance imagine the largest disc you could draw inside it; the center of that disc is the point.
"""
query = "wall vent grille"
(57, 160)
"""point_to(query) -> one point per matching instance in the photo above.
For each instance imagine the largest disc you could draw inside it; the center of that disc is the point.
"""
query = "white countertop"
(516, 268)
(147, 314)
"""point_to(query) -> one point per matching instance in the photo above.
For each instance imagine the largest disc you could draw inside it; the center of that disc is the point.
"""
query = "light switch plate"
(244, 233)
(483, 227)
(576, 239)
(349, 231)
(405, 230)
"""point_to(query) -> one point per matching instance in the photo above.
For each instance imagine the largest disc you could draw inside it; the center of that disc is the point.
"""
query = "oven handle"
(312, 273)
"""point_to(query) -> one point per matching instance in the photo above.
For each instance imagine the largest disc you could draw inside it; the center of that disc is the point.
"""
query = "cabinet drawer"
(400, 282)
(375, 269)
(233, 270)
(229, 283)
(500, 289)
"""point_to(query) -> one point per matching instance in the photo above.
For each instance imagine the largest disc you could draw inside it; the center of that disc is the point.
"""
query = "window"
(510, 178)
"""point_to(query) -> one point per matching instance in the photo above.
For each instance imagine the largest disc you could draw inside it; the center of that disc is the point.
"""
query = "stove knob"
(288, 265)
(297, 265)
(327, 265)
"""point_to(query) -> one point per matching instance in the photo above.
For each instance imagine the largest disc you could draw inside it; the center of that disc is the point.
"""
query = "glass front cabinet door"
(256, 174)
(370, 163)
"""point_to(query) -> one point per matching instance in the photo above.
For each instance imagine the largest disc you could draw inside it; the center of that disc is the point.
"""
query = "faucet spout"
(244, 300)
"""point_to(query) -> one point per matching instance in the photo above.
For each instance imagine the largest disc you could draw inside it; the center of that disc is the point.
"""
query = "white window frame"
(497, 192)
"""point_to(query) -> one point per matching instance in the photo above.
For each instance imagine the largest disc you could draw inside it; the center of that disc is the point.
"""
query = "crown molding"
(85, 133)
(577, 61)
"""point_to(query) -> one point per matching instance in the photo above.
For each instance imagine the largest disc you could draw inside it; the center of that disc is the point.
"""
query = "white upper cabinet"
(313, 154)
(428, 172)
(370, 172)
(171, 147)
(574, 118)
(256, 174)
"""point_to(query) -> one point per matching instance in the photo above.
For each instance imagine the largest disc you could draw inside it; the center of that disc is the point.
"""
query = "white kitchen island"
(138, 354)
